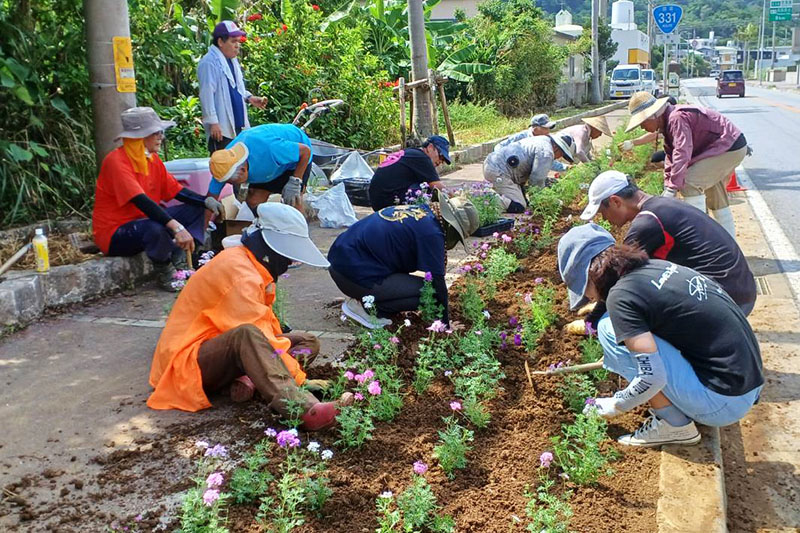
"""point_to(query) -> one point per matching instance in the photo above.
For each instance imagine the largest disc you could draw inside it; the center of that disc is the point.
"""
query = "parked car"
(730, 82)
(649, 82)
(625, 80)
(714, 74)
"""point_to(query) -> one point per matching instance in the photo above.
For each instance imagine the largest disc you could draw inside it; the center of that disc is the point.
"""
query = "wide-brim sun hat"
(461, 214)
(576, 249)
(141, 122)
(642, 106)
(598, 123)
(224, 163)
(603, 186)
(285, 230)
(566, 144)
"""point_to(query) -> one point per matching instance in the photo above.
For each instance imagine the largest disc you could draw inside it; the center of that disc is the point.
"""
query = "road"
(771, 122)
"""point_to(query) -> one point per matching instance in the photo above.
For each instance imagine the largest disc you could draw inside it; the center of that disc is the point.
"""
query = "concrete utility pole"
(597, 94)
(423, 121)
(761, 42)
(106, 19)
(772, 63)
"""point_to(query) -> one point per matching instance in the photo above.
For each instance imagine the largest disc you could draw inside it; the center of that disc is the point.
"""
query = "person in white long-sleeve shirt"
(223, 96)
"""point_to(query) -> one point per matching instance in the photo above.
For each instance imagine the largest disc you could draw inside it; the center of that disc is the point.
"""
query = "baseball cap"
(576, 249)
(224, 163)
(442, 145)
(227, 28)
(543, 121)
(603, 186)
(285, 230)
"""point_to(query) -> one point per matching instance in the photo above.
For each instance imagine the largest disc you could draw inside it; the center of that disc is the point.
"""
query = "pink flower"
(455, 406)
(589, 401)
(528, 298)
(420, 467)
(495, 234)
(210, 496)
(466, 268)
(377, 346)
(478, 267)
(394, 340)
(360, 378)
(545, 459)
(288, 439)
(485, 246)
(483, 255)
(506, 238)
(538, 281)
(349, 375)
(437, 327)
(358, 396)
(478, 332)
(369, 374)
(428, 276)
(214, 480)
(374, 388)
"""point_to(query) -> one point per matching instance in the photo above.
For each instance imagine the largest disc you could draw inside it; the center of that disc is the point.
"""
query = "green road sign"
(780, 10)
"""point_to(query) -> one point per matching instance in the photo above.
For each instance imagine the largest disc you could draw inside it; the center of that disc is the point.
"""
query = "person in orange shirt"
(222, 331)
(133, 181)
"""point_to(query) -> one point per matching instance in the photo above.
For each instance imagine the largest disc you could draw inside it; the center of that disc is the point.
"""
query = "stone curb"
(24, 295)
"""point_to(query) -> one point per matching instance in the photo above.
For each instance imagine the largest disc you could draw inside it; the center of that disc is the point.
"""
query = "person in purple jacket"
(702, 150)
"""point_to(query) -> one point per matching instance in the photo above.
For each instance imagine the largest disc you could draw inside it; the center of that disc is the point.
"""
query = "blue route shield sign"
(667, 17)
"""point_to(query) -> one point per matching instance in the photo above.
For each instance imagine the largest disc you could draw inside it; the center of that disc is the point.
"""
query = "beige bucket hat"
(599, 123)
(461, 214)
(642, 106)
(141, 122)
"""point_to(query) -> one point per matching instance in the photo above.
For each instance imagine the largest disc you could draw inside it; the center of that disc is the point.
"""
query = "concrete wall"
(446, 8)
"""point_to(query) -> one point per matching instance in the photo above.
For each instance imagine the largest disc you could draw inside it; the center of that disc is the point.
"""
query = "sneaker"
(353, 309)
(242, 389)
(655, 432)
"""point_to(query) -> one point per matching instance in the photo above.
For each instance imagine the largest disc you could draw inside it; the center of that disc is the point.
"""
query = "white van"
(649, 81)
(626, 80)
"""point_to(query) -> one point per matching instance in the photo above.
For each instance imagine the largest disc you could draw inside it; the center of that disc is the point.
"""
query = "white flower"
(343, 318)
(406, 322)
(448, 373)
(368, 300)
(326, 454)
(486, 314)
(387, 494)
(201, 444)
(313, 446)
(293, 431)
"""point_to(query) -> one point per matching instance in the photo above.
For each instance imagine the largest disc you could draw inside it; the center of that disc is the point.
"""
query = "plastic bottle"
(41, 252)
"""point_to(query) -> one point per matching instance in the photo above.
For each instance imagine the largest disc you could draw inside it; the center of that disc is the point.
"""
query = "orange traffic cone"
(733, 184)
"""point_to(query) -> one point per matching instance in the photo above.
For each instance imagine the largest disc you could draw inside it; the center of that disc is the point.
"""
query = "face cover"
(275, 263)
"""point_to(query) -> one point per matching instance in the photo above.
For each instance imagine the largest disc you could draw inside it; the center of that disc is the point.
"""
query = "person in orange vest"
(222, 331)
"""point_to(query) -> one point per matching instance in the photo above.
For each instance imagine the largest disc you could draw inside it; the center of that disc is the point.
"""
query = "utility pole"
(772, 63)
(596, 95)
(106, 19)
(761, 42)
(423, 120)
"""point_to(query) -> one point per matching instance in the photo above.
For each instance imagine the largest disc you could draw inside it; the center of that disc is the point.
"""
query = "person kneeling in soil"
(374, 258)
(583, 135)
(223, 332)
(666, 228)
(127, 218)
(677, 337)
(404, 172)
(523, 163)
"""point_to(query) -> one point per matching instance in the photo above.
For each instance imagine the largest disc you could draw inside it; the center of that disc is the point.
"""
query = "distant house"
(573, 89)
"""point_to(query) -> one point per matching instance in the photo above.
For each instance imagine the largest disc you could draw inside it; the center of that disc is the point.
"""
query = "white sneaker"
(354, 310)
(655, 432)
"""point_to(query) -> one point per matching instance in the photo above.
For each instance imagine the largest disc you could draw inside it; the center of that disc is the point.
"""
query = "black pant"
(214, 145)
(277, 185)
(154, 238)
(395, 294)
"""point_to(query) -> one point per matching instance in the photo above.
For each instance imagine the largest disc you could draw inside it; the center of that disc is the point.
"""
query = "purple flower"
(589, 401)
(483, 255)
(506, 238)
(349, 375)
(517, 339)
(527, 212)
(374, 388)
(394, 340)
(538, 281)
(217, 451)
(377, 346)
(455, 406)
(358, 396)
(528, 298)
(214, 480)
(513, 321)
(428, 276)
(590, 330)
(139, 517)
(270, 432)
(210, 496)
(360, 378)
(485, 246)
(288, 439)
(466, 268)
(437, 327)
(448, 373)
(286, 275)
(503, 346)
(475, 244)
(536, 231)
(503, 335)
(369, 374)
(545, 459)
(420, 467)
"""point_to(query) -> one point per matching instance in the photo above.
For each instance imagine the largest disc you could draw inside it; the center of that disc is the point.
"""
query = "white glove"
(627, 145)
(605, 407)
(215, 206)
(669, 192)
(291, 191)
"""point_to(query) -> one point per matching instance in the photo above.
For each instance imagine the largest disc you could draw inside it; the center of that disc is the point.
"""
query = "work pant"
(395, 294)
(683, 389)
(710, 177)
(504, 186)
(155, 239)
(258, 193)
(245, 350)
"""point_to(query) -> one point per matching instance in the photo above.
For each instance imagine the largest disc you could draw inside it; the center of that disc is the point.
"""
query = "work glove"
(317, 385)
(627, 146)
(605, 407)
(291, 191)
(215, 206)
(576, 327)
(586, 309)
(669, 192)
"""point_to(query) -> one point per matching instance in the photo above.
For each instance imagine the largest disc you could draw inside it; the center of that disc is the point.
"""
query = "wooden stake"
(588, 367)
(446, 114)
(528, 371)
(402, 97)
(432, 86)
(14, 258)
(189, 260)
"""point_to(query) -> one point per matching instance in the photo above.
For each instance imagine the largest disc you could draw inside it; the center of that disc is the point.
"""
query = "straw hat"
(600, 124)
(224, 163)
(642, 106)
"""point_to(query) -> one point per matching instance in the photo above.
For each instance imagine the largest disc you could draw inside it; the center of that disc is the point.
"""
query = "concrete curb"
(24, 295)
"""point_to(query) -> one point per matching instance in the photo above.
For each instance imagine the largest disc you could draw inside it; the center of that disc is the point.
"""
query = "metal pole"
(664, 66)
(772, 63)
(597, 95)
(105, 19)
(761, 42)
(423, 121)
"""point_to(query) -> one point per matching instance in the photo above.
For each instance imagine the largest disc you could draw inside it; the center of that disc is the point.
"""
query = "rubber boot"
(323, 415)
(698, 201)
(724, 218)
(179, 259)
(165, 276)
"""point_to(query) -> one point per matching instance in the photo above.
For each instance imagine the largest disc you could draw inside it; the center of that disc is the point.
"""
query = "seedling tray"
(502, 224)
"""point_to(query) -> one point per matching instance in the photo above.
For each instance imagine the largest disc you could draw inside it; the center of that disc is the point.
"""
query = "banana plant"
(221, 10)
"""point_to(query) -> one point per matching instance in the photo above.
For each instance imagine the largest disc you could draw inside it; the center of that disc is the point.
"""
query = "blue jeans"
(684, 390)
(154, 238)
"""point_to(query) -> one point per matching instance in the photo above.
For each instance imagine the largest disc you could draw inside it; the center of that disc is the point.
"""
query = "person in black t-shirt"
(406, 171)
(677, 337)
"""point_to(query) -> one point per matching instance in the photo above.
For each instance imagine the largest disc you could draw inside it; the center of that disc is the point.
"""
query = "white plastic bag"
(335, 210)
(353, 167)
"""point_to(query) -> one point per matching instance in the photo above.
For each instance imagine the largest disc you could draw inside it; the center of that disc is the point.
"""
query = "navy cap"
(442, 145)
(227, 28)
(576, 249)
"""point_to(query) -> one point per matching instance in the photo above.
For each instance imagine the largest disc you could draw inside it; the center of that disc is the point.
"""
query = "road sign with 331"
(667, 17)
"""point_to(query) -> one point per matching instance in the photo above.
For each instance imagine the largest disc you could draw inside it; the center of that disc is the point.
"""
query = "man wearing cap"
(583, 134)
(222, 331)
(676, 336)
(405, 171)
(372, 261)
(540, 125)
(522, 163)
(127, 218)
(271, 158)
(702, 150)
(223, 96)
(666, 228)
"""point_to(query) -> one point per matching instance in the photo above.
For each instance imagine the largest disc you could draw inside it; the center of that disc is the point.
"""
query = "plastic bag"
(335, 210)
(353, 167)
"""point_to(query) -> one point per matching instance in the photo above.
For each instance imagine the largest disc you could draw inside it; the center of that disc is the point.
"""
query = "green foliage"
(500, 264)
(413, 510)
(451, 452)
(472, 305)
(592, 351)
(576, 388)
(355, 426)
(429, 307)
(197, 517)
(547, 513)
(486, 202)
(476, 412)
(252, 479)
(539, 314)
(578, 451)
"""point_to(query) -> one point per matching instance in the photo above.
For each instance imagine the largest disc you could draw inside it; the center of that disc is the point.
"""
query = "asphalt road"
(770, 120)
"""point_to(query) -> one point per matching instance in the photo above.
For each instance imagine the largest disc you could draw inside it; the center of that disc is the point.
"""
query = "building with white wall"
(633, 46)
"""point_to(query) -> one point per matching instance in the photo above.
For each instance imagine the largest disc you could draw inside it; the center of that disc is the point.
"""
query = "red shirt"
(117, 184)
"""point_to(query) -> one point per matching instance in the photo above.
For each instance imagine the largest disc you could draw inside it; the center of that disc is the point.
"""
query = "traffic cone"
(733, 184)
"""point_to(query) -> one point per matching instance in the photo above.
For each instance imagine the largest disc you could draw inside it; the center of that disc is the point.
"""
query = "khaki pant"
(244, 350)
(506, 189)
(710, 177)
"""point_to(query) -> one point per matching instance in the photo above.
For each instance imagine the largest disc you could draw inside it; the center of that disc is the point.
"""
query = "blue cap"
(442, 145)
(576, 249)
